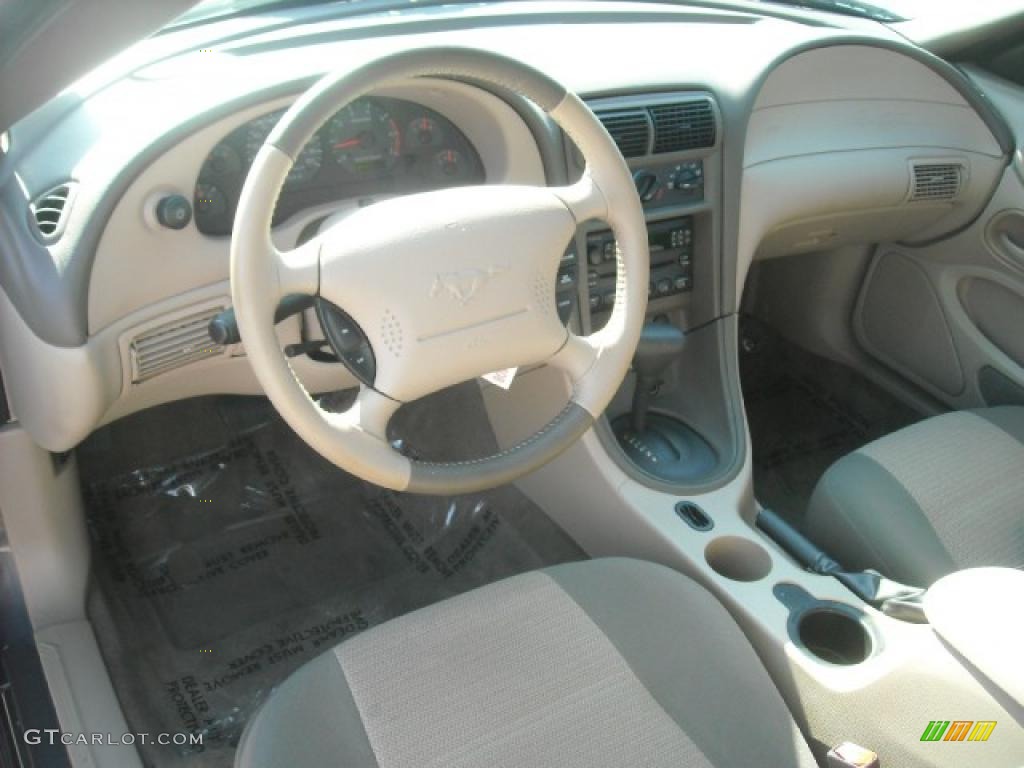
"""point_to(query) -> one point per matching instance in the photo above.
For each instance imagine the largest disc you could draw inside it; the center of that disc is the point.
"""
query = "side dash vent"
(935, 181)
(630, 129)
(48, 213)
(684, 125)
(173, 345)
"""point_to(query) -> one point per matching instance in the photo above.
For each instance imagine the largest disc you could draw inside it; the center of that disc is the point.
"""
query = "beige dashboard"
(819, 148)
(842, 147)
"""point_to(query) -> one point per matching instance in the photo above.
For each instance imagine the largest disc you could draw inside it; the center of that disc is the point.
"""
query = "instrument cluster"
(373, 146)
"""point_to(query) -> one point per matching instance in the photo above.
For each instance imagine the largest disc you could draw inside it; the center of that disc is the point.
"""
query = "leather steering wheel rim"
(383, 265)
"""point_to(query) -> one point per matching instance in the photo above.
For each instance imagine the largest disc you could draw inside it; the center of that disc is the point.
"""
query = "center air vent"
(49, 211)
(686, 125)
(173, 345)
(657, 125)
(630, 129)
(935, 181)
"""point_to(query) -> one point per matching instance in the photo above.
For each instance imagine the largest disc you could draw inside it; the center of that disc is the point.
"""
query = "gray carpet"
(227, 553)
(805, 412)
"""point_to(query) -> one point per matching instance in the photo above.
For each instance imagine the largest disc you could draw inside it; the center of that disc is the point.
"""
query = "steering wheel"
(440, 287)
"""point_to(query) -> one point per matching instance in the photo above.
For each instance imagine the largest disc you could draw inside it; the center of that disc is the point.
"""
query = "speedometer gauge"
(307, 164)
(364, 139)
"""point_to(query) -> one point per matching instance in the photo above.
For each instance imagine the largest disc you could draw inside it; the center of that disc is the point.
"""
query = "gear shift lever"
(659, 345)
(658, 442)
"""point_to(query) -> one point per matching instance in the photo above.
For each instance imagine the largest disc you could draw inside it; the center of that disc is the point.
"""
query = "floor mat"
(805, 412)
(227, 553)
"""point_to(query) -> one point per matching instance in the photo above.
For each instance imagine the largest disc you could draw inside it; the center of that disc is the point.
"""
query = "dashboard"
(372, 147)
(816, 137)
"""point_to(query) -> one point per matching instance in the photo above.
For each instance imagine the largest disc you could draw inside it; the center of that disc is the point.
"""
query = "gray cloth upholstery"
(597, 664)
(941, 495)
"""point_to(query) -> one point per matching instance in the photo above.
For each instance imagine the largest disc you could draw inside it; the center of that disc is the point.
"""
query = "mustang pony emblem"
(464, 284)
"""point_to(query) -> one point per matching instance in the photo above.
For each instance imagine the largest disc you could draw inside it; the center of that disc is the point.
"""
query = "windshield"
(886, 11)
(212, 10)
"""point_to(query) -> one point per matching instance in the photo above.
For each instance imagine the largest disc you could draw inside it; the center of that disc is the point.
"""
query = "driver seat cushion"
(944, 494)
(603, 663)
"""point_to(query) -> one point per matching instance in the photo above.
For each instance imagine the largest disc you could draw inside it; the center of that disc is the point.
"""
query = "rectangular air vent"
(935, 181)
(49, 212)
(173, 345)
(684, 125)
(630, 129)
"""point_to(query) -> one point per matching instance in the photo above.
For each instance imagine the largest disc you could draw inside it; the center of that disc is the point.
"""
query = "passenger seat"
(938, 496)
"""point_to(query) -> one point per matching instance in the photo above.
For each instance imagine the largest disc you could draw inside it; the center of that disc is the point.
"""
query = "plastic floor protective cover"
(227, 553)
(805, 413)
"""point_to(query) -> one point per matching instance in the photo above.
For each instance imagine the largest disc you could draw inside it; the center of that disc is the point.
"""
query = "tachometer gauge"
(307, 164)
(223, 161)
(422, 133)
(449, 166)
(364, 139)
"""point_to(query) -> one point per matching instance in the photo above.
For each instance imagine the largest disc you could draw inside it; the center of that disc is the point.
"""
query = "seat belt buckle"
(850, 755)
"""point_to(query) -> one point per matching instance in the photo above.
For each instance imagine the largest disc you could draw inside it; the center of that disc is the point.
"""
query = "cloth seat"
(598, 664)
(944, 494)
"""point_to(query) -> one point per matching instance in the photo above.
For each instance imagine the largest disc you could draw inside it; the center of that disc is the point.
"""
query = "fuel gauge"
(450, 166)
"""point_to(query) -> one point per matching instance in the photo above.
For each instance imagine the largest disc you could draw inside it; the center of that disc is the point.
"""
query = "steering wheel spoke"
(298, 270)
(370, 414)
(584, 199)
(576, 357)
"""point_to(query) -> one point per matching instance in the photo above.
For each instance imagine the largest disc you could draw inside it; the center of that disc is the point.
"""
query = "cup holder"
(738, 558)
(834, 635)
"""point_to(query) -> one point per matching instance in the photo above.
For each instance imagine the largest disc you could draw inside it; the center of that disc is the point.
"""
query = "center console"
(672, 145)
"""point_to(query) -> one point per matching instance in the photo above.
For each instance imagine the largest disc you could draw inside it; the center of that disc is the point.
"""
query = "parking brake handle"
(891, 597)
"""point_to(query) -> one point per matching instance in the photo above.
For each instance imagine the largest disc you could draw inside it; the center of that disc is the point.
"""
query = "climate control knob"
(646, 184)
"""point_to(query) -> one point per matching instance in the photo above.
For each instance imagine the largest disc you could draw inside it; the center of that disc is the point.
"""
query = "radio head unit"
(671, 244)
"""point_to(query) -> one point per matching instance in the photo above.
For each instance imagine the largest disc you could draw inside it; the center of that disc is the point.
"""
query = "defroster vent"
(173, 345)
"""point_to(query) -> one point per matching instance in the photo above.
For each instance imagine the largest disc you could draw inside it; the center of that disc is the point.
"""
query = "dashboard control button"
(646, 185)
(566, 277)
(347, 340)
(565, 303)
(361, 362)
(595, 301)
(174, 211)
(608, 300)
(663, 286)
(594, 255)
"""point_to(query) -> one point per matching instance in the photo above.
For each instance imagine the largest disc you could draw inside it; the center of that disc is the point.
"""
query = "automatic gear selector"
(658, 442)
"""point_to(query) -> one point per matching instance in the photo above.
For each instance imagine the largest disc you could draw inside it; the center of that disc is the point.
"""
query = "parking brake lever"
(891, 597)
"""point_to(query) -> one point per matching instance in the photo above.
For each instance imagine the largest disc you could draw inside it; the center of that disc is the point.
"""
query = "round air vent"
(48, 213)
